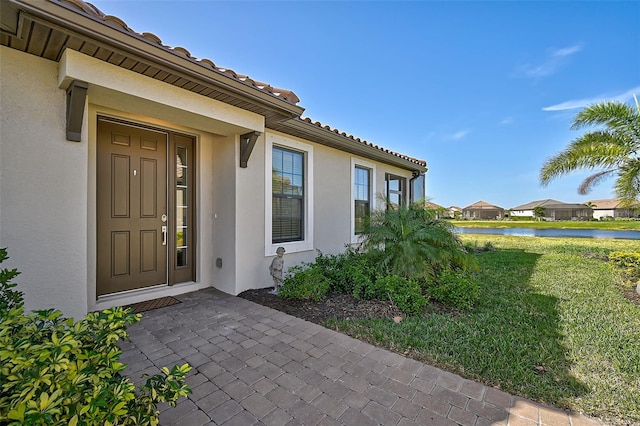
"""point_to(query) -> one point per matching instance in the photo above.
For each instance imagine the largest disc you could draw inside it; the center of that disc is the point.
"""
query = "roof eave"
(59, 13)
(340, 141)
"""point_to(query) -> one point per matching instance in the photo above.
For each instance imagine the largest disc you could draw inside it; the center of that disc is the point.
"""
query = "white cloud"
(506, 121)
(581, 103)
(459, 134)
(566, 51)
(554, 60)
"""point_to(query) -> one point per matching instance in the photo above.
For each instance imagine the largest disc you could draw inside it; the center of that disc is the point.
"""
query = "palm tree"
(539, 212)
(613, 150)
(412, 243)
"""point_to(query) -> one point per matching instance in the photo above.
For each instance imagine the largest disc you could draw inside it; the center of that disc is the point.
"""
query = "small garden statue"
(276, 267)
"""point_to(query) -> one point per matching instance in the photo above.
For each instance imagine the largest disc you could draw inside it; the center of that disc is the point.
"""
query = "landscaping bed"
(336, 306)
(552, 324)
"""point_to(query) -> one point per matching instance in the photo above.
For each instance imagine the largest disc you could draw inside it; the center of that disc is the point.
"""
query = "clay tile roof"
(422, 163)
(93, 12)
(533, 204)
(115, 22)
(482, 205)
(610, 203)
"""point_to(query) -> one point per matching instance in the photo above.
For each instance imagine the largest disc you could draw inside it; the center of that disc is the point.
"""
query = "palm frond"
(614, 148)
(610, 114)
(627, 186)
(587, 184)
(413, 243)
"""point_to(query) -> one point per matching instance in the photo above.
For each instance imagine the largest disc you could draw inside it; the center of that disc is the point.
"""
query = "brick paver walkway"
(253, 365)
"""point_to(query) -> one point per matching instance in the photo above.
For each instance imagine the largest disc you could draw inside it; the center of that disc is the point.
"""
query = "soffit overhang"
(47, 28)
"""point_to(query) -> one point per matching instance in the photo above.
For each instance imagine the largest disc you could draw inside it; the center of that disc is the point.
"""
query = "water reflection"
(567, 233)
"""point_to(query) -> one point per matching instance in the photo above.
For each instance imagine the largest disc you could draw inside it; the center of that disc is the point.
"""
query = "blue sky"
(483, 91)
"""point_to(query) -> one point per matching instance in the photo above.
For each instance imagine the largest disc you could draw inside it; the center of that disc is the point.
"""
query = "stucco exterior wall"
(43, 186)
(223, 213)
(48, 184)
(600, 213)
(331, 200)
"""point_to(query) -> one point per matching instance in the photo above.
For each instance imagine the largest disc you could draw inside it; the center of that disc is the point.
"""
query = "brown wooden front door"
(132, 210)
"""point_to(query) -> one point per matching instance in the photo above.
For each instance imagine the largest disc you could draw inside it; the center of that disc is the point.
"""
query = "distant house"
(482, 210)
(438, 209)
(455, 211)
(554, 210)
(611, 208)
(527, 209)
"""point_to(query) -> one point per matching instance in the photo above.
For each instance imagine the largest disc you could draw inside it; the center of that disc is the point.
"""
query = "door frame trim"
(96, 114)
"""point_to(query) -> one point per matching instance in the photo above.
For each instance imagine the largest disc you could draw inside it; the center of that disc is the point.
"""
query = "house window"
(361, 197)
(395, 189)
(288, 214)
(287, 186)
(418, 192)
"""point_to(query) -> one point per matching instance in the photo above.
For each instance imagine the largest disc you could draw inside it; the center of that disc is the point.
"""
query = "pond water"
(567, 233)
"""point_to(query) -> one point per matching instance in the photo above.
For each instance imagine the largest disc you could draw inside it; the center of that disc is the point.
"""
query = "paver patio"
(253, 365)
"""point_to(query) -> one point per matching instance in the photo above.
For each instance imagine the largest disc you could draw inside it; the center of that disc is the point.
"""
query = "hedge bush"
(455, 289)
(305, 282)
(627, 262)
(55, 371)
(346, 270)
(405, 294)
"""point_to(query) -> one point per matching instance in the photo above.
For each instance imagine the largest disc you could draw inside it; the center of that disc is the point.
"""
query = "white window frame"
(293, 246)
(357, 162)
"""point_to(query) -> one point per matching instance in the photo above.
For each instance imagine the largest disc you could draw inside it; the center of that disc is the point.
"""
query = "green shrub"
(627, 262)
(410, 242)
(305, 282)
(521, 218)
(54, 371)
(473, 247)
(456, 290)
(405, 294)
(9, 298)
(345, 270)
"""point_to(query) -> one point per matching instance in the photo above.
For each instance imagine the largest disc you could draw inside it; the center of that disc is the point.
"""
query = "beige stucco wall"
(331, 205)
(48, 195)
(43, 186)
(222, 214)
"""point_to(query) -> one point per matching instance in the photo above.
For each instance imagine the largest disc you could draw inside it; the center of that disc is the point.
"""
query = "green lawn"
(613, 224)
(551, 325)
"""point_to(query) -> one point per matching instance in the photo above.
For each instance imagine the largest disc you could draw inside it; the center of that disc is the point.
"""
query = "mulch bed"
(336, 306)
(345, 306)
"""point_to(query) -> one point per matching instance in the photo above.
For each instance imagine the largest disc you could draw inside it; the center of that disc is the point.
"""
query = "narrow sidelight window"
(182, 206)
(361, 197)
(288, 194)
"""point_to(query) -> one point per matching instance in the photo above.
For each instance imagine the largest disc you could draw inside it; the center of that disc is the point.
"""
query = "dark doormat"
(149, 305)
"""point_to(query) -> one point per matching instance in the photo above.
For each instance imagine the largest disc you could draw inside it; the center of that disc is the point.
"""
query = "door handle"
(164, 235)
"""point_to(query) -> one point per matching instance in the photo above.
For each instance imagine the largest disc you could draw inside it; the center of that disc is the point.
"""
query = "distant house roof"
(455, 208)
(533, 204)
(430, 205)
(606, 204)
(483, 205)
(566, 206)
